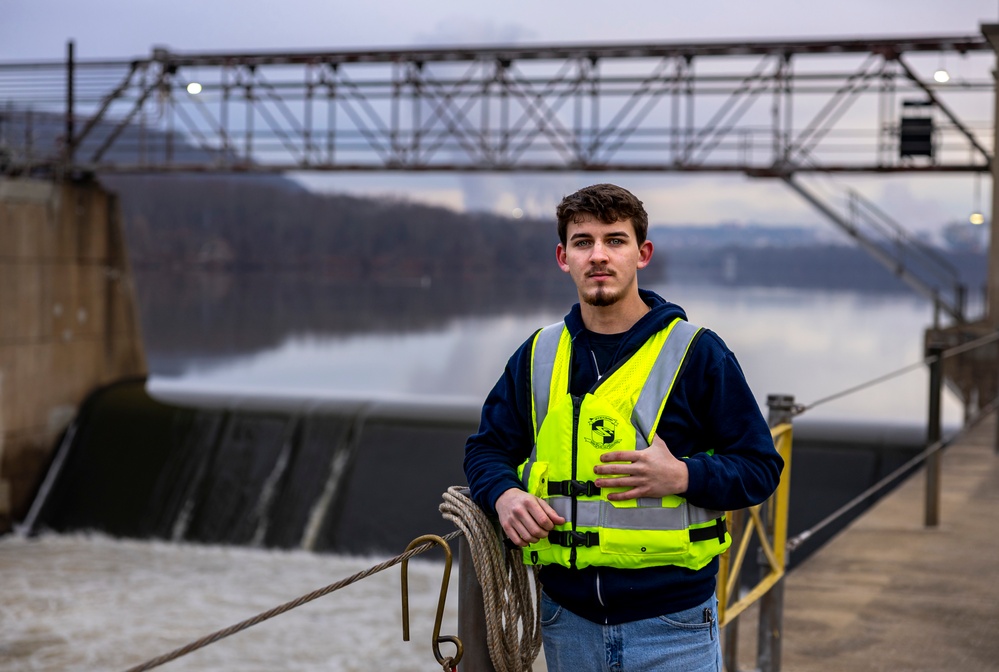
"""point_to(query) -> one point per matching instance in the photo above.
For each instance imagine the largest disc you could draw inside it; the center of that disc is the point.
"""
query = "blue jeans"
(686, 641)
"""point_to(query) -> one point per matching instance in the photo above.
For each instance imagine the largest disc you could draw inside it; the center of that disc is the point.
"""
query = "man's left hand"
(653, 472)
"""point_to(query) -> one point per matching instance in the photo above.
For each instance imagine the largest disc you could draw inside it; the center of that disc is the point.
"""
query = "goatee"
(601, 297)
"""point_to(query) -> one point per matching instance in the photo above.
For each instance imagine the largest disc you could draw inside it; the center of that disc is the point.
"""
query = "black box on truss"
(916, 132)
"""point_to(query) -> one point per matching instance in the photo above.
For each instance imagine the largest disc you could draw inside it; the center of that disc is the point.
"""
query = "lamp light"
(976, 217)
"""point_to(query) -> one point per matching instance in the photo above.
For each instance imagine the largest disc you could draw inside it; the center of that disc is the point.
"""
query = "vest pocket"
(537, 480)
(537, 484)
(657, 533)
(645, 543)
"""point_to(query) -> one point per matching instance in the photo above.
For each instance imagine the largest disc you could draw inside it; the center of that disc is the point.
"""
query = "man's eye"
(615, 241)
(582, 243)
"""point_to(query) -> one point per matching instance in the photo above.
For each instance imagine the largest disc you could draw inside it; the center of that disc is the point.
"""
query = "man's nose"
(599, 251)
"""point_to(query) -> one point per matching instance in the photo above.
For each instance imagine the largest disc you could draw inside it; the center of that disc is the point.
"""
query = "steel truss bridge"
(765, 109)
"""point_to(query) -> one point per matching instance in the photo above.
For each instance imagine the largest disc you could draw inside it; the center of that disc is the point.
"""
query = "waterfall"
(350, 476)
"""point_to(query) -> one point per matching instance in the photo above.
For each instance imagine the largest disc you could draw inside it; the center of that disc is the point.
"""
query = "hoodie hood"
(662, 313)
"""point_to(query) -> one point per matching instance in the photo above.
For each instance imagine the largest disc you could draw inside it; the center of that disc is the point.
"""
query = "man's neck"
(615, 318)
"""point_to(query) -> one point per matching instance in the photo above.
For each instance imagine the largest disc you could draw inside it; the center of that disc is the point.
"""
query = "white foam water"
(90, 602)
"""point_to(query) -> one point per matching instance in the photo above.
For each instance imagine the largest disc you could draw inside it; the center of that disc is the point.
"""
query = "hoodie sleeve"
(713, 421)
(505, 436)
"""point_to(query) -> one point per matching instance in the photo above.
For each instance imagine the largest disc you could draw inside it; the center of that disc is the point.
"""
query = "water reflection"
(200, 320)
(274, 332)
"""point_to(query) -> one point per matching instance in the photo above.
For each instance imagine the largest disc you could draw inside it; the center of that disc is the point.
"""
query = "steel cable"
(950, 352)
(287, 606)
(915, 461)
(890, 479)
(799, 409)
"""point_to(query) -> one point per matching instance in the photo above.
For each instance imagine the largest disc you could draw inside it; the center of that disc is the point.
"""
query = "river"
(88, 601)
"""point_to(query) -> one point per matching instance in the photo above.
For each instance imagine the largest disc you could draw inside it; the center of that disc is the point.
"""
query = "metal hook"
(437, 638)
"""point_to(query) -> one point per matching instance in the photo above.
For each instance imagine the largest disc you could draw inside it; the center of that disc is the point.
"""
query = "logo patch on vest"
(603, 432)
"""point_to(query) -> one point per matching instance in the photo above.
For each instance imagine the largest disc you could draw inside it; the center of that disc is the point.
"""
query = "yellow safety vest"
(621, 412)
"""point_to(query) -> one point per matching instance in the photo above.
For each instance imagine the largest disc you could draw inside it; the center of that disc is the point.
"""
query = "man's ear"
(560, 257)
(645, 251)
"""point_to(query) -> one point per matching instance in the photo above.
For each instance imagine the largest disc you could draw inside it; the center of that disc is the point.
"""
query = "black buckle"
(573, 488)
(573, 539)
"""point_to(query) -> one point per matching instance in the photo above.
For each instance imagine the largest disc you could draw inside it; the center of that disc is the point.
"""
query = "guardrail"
(767, 523)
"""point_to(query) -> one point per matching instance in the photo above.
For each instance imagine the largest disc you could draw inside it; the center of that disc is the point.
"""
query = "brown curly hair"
(608, 203)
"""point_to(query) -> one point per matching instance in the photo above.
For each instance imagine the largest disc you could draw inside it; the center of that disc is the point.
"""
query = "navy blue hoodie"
(711, 407)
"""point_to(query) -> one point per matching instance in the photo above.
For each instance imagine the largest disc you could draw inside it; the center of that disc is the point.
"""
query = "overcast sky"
(39, 29)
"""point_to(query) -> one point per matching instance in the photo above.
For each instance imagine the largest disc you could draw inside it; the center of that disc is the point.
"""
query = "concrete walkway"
(889, 594)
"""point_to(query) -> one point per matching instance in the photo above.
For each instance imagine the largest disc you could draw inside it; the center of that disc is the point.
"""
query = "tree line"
(256, 223)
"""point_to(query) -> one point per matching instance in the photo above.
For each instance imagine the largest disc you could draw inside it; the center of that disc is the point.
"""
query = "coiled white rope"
(513, 610)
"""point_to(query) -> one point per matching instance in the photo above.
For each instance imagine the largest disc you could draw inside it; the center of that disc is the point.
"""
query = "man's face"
(603, 259)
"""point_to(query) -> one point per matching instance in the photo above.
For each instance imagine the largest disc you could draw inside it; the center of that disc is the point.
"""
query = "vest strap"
(716, 531)
(574, 539)
(573, 488)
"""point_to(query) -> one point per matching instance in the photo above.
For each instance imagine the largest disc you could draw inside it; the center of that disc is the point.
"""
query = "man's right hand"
(525, 518)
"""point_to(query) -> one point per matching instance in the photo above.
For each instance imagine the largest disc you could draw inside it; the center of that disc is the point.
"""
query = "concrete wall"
(68, 321)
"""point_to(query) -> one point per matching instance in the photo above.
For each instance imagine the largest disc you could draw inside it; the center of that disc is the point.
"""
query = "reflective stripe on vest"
(600, 513)
(629, 533)
(543, 357)
(652, 399)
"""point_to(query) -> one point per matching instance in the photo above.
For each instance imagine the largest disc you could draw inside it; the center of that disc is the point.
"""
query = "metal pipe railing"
(931, 515)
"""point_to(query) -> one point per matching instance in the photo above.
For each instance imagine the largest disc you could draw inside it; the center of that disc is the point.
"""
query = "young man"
(610, 448)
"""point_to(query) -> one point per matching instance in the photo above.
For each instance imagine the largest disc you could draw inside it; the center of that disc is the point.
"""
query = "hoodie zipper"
(600, 598)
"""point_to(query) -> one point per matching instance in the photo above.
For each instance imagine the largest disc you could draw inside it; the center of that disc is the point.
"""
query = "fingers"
(620, 456)
(637, 487)
(525, 518)
(634, 493)
(653, 472)
(551, 515)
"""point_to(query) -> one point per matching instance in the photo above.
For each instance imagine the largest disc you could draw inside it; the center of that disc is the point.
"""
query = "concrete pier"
(68, 321)
(891, 594)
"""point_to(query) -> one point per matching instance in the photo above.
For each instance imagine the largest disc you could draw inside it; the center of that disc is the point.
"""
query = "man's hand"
(653, 472)
(524, 517)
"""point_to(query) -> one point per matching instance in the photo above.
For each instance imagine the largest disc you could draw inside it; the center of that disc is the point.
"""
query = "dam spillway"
(347, 476)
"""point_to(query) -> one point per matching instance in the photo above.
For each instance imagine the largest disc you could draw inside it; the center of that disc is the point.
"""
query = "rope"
(513, 617)
(287, 606)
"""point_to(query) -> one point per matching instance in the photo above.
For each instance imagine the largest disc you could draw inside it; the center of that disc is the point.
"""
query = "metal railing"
(769, 523)
(765, 523)
(769, 520)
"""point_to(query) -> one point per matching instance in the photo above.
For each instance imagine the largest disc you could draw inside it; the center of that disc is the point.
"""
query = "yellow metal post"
(769, 521)
(768, 653)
